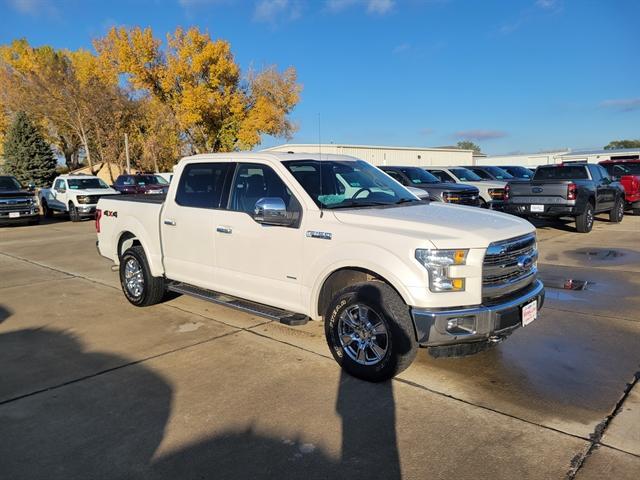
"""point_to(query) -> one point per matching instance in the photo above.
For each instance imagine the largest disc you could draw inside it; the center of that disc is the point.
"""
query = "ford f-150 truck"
(627, 172)
(578, 190)
(17, 204)
(294, 237)
(76, 195)
(491, 192)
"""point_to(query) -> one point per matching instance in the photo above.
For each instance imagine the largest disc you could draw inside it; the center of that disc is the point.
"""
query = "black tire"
(617, 212)
(483, 203)
(388, 309)
(636, 211)
(153, 288)
(584, 221)
(46, 211)
(74, 216)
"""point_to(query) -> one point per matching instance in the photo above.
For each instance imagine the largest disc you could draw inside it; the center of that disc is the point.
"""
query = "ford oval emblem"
(525, 262)
(536, 189)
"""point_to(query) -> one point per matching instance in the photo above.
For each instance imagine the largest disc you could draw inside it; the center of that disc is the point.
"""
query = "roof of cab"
(272, 156)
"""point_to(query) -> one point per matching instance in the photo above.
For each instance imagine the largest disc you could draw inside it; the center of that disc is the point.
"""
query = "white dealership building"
(449, 156)
(381, 155)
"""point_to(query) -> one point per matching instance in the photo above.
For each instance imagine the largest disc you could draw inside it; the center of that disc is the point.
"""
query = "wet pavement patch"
(602, 256)
(565, 283)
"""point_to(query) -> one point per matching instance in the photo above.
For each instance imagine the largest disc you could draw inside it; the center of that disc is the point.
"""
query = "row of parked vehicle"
(576, 189)
(72, 194)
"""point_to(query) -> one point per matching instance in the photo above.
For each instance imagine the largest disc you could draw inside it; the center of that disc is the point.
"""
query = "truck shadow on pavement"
(69, 413)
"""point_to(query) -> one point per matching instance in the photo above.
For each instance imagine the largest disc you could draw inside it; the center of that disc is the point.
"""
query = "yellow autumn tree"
(198, 80)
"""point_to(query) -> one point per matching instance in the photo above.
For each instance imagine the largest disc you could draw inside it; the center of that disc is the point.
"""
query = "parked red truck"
(627, 172)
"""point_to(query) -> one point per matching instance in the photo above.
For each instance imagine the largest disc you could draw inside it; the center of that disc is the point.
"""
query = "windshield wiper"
(354, 203)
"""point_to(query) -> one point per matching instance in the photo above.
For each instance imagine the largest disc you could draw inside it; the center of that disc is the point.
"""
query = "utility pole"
(126, 149)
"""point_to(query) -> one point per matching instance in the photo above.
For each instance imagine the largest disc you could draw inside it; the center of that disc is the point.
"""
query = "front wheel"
(74, 215)
(46, 211)
(617, 212)
(139, 286)
(369, 331)
(584, 221)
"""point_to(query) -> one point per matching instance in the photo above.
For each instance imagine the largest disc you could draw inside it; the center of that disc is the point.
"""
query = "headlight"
(82, 199)
(450, 197)
(437, 263)
(496, 193)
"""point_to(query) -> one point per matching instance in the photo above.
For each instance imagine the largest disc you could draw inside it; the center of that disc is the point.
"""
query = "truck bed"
(156, 198)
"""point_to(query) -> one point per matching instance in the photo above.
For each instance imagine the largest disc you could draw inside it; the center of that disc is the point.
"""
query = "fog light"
(461, 325)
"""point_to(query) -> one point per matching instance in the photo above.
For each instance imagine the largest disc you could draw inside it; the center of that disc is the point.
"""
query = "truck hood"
(488, 184)
(444, 225)
(96, 191)
(16, 193)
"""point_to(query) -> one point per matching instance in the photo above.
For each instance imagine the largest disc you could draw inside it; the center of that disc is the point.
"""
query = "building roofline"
(375, 147)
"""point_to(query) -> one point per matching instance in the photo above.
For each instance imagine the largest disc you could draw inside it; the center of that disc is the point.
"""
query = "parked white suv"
(76, 195)
(388, 273)
(491, 192)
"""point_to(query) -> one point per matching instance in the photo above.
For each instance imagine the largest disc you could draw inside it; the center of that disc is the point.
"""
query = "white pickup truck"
(76, 195)
(300, 236)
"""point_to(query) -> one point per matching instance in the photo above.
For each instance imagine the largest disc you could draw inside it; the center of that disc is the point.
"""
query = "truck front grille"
(14, 204)
(466, 198)
(509, 265)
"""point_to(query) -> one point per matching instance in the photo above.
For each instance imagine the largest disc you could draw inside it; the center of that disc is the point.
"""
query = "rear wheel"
(617, 212)
(73, 213)
(139, 286)
(369, 331)
(584, 221)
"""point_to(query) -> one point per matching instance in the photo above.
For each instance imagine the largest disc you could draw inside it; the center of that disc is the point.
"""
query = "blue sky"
(511, 75)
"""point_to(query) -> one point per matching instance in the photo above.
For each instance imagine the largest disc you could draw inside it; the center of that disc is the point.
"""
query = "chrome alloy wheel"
(133, 277)
(589, 218)
(363, 335)
(620, 211)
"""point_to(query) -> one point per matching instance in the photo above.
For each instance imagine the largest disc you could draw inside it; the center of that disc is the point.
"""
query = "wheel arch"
(341, 277)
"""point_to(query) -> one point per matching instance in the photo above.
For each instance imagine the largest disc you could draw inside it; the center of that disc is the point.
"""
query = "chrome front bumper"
(493, 321)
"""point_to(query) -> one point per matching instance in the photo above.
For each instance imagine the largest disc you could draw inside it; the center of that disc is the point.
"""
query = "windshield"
(561, 173)
(519, 172)
(150, 180)
(418, 176)
(465, 175)
(618, 170)
(347, 184)
(84, 183)
(9, 183)
(498, 173)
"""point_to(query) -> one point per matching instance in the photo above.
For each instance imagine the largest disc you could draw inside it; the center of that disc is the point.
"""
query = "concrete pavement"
(92, 387)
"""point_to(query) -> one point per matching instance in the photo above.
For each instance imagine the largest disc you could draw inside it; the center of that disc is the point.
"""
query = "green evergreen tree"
(28, 156)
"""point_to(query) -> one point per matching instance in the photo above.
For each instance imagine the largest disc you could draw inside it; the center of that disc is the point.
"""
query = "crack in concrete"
(595, 437)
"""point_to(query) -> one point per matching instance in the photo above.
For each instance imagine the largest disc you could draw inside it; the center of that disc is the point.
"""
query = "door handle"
(171, 223)
(223, 229)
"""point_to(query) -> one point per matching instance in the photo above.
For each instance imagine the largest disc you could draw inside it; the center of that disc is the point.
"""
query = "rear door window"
(442, 176)
(202, 185)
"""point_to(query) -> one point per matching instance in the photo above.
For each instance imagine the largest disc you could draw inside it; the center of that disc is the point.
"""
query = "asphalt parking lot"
(92, 387)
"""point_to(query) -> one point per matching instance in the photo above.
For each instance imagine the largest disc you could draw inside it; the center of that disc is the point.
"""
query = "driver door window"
(253, 182)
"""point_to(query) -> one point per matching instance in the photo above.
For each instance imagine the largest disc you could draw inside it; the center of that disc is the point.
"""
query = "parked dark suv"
(141, 183)
(438, 191)
(491, 173)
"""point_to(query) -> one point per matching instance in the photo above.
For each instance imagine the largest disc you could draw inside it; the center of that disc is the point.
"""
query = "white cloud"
(34, 7)
(276, 11)
(403, 47)
(372, 7)
(380, 7)
(480, 134)
(622, 104)
(547, 4)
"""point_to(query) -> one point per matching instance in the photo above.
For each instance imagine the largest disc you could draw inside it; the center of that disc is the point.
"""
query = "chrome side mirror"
(272, 211)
